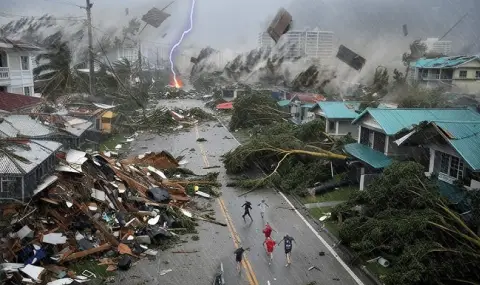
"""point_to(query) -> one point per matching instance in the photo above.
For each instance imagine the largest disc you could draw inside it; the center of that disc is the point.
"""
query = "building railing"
(4, 73)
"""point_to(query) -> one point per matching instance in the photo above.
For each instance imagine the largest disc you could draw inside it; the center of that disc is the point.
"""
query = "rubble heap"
(108, 211)
(162, 120)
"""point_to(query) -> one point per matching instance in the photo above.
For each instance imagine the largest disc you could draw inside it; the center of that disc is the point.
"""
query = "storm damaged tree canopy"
(404, 220)
(255, 108)
(296, 156)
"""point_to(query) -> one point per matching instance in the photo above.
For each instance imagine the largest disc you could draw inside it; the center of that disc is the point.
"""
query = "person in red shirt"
(267, 231)
(270, 246)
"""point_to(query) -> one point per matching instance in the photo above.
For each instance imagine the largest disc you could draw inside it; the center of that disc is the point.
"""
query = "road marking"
(236, 241)
(252, 279)
(332, 251)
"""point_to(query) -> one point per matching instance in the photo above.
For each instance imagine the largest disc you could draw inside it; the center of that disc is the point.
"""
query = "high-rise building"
(434, 45)
(313, 44)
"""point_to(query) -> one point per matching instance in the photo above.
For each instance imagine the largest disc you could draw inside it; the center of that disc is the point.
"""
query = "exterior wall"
(18, 78)
(345, 127)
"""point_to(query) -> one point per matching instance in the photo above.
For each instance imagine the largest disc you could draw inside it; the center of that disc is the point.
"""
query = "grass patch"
(112, 142)
(331, 226)
(341, 194)
(376, 269)
(91, 265)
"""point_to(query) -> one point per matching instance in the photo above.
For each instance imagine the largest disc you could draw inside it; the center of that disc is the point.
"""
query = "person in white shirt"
(263, 207)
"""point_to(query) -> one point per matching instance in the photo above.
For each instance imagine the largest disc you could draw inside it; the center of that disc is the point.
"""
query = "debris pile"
(163, 120)
(108, 211)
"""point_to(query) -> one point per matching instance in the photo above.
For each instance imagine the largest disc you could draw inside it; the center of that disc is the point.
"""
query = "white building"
(314, 44)
(442, 47)
(16, 74)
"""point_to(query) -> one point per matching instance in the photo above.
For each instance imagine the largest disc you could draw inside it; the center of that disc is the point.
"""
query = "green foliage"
(253, 109)
(404, 219)
(418, 97)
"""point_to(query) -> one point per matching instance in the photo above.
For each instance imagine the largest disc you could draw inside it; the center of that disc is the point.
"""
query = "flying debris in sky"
(280, 24)
(405, 30)
(354, 60)
(155, 17)
(193, 60)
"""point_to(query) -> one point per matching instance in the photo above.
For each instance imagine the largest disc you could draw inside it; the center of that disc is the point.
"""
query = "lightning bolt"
(178, 43)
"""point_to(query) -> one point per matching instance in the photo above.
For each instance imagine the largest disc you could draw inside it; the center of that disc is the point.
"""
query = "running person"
(270, 246)
(288, 247)
(263, 207)
(267, 231)
(247, 207)
(238, 258)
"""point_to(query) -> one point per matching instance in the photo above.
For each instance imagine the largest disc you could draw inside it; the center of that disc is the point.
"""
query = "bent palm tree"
(56, 74)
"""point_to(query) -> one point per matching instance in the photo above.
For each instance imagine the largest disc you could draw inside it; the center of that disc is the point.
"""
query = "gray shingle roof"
(39, 151)
(25, 126)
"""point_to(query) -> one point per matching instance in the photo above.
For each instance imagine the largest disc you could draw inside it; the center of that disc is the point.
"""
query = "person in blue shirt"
(287, 241)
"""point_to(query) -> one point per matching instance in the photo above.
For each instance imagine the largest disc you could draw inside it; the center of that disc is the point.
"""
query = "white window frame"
(460, 74)
(27, 62)
(446, 176)
(25, 88)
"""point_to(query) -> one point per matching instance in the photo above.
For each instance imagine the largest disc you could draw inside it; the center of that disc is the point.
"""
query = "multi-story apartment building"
(16, 74)
(313, 44)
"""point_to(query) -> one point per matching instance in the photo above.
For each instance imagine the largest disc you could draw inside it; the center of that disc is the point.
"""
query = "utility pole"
(91, 62)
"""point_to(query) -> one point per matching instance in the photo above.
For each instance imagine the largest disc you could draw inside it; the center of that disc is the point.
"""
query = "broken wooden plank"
(83, 253)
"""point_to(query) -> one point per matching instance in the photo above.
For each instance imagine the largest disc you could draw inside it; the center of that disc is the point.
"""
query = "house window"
(477, 74)
(364, 136)
(379, 141)
(25, 60)
(331, 126)
(451, 166)
(7, 184)
(463, 74)
(26, 91)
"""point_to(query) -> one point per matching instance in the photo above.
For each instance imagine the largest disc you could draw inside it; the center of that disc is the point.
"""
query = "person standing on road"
(270, 246)
(288, 247)
(263, 207)
(247, 206)
(267, 231)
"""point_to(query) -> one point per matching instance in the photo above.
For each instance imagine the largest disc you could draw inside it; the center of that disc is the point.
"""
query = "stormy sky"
(235, 24)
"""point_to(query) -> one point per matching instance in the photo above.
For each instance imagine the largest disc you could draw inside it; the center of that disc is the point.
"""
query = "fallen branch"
(186, 251)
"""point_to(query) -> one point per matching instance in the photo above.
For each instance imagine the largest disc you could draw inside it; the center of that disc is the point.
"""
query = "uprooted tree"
(296, 157)
(406, 221)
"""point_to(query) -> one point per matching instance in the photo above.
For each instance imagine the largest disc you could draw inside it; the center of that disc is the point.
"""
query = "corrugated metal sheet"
(38, 152)
(283, 103)
(394, 120)
(444, 62)
(368, 155)
(339, 110)
(465, 139)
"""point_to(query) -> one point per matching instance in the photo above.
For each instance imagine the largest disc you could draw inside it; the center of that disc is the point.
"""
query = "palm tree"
(55, 72)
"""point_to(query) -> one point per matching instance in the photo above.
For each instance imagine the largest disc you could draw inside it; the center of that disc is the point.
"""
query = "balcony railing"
(4, 73)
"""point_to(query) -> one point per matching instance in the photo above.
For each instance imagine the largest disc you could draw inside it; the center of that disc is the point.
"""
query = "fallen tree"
(406, 221)
(296, 157)
(255, 108)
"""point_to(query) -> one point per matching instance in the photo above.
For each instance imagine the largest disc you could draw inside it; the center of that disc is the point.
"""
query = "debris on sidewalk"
(102, 209)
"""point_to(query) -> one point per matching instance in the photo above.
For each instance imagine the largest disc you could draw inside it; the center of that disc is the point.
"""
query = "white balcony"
(4, 73)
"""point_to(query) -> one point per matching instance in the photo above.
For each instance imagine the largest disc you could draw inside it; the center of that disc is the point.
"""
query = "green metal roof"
(368, 155)
(454, 194)
(464, 137)
(444, 62)
(394, 120)
(283, 103)
(339, 109)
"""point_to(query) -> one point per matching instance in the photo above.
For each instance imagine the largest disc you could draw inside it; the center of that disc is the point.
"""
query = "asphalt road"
(217, 243)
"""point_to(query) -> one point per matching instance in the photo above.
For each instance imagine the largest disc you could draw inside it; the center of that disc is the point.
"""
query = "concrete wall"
(345, 127)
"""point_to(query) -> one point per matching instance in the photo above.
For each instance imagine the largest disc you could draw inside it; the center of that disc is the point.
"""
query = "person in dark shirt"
(247, 206)
(239, 257)
(288, 247)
